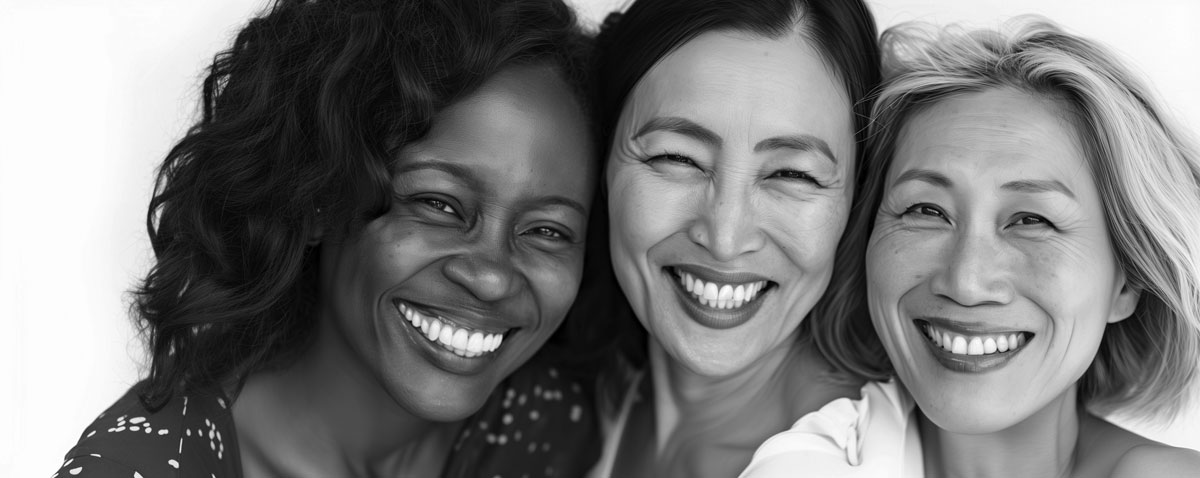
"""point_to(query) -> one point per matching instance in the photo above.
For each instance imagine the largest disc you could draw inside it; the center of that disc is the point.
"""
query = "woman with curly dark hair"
(379, 217)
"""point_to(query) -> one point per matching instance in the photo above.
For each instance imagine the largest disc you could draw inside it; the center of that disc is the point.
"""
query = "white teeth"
(432, 331)
(475, 343)
(977, 345)
(720, 296)
(461, 341)
(960, 345)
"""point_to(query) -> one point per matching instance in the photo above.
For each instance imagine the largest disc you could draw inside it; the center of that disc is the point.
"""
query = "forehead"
(740, 83)
(523, 127)
(999, 132)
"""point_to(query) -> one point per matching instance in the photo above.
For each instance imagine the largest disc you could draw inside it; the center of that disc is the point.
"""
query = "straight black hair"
(844, 33)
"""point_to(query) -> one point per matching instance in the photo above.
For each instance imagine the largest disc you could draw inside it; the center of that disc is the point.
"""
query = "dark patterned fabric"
(536, 424)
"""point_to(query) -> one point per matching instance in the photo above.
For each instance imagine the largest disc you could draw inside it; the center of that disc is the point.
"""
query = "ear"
(1125, 299)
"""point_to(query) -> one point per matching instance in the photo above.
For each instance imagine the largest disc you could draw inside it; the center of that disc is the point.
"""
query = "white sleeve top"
(876, 435)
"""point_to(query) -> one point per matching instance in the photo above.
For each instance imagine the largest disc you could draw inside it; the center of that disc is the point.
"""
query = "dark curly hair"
(301, 120)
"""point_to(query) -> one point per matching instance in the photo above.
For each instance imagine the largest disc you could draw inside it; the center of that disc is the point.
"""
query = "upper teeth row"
(978, 345)
(456, 339)
(721, 296)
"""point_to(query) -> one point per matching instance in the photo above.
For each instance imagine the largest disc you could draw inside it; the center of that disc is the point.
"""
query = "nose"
(488, 277)
(727, 226)
(975, 272)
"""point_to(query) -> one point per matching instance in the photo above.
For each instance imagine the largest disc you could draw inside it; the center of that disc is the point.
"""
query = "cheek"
(555, 283)
(643, 211)
(808, 232)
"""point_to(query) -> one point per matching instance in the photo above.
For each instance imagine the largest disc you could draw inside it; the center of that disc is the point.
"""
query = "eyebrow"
(926, 176)
(1023, 185)
(457, 170)
(689, 128)
(560, 201)
(1038, 186)
(799, 142)
(683, 126)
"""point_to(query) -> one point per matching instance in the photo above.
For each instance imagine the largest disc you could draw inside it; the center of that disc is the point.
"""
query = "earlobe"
(1125, 301)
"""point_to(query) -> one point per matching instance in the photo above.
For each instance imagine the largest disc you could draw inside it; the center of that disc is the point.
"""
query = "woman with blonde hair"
(1033, 263)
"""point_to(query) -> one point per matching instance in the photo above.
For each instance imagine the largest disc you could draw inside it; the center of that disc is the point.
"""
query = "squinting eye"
(440, 205)
(674, 158)
(925, 210)
(548, 232)
(793, 174)
(1031, 220)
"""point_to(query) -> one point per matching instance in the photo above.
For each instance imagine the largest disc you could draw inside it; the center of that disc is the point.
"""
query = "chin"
(443, 400)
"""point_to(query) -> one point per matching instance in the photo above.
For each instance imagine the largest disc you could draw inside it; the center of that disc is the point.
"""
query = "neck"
(702, 420)
(1041, 445)
(327, 415)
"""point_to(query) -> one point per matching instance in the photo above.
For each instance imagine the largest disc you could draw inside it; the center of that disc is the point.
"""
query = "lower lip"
(439, 356)
(970, 363)
(719, 319)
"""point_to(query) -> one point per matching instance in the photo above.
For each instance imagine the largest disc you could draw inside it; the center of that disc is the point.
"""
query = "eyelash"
(783, 173)
(439, 205)
(917, 208)
(554, 234)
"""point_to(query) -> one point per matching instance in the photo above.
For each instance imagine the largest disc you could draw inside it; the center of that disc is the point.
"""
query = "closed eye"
(793, 174)
(673, 158)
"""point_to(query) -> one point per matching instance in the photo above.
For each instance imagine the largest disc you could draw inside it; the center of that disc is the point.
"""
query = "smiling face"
(729, 184)
(990, 272)
(478, 258)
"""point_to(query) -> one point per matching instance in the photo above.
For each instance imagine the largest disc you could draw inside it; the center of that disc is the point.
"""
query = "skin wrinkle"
(1060, 282)
(726, 208)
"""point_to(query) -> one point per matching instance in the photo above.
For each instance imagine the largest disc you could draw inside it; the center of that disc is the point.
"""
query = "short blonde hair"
(1146, 169)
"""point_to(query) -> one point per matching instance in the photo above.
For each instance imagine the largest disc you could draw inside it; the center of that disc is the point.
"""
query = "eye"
(548, 233)
(673, 158)
(1026, 219)
(439, 204)
(792, 174)
(925, 209)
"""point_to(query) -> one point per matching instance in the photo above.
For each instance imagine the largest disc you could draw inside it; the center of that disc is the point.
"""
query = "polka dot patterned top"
(538, 423)
(192, 436)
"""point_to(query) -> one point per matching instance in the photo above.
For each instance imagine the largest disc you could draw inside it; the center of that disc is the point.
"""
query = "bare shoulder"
(1106, 449)
(1157, 459)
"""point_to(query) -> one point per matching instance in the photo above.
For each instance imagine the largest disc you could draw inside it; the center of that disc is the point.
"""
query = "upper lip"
(712, 275)
(471, 317)
(967, 328)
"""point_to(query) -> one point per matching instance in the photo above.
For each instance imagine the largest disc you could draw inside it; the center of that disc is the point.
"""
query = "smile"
(958, 344)
(715, 299)
(958, 348)
(716, 295)
(460, 340)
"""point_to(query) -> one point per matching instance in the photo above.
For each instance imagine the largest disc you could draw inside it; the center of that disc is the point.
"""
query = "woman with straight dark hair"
(379, 217)
(731, 135)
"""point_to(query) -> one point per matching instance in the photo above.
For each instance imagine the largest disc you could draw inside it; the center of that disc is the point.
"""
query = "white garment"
(876, 435)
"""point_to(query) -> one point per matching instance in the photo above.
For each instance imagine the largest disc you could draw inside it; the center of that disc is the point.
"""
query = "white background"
(94, 92)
